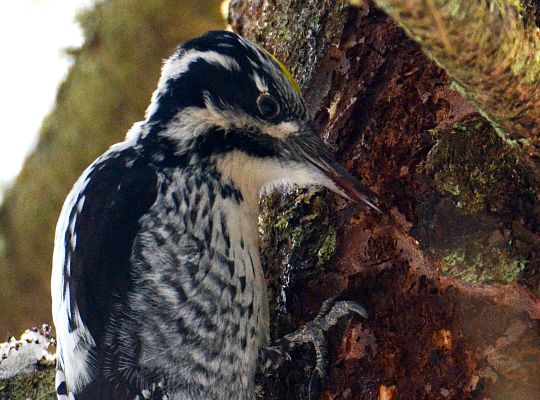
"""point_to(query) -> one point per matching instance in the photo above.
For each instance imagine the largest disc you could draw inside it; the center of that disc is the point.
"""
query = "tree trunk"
(449, 274)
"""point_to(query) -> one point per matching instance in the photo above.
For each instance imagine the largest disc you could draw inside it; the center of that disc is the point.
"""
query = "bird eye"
(268, 106)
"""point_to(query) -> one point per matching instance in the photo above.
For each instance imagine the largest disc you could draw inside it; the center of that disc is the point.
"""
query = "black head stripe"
(255, 144)
(234, 86)
(214, 142)
(229, 87)
(229, 73)
(179, 94)
(226, 43)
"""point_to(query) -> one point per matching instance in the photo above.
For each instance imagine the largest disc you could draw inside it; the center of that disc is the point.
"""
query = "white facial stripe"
(175, 67)
(281, 130)
(193, 121)
(262, 86)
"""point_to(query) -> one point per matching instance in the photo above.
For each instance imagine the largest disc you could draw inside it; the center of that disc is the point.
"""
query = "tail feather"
(61, 387)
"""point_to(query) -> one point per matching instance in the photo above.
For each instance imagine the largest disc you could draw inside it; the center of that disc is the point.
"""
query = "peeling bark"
(450, 275)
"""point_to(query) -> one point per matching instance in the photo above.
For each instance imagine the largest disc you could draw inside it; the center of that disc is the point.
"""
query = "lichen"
(297, 239)
(328, 248)
(491, 265)
(300, 222)
(36, 386)
(473, 165)
(27, 354)
(478, 225)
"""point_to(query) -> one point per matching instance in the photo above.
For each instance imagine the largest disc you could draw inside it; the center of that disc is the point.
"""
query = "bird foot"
(273, 357)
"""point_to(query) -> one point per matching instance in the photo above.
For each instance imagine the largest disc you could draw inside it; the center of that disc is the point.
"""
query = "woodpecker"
(157, 285)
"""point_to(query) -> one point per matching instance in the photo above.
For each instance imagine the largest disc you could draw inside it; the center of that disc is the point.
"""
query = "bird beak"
(313, 150)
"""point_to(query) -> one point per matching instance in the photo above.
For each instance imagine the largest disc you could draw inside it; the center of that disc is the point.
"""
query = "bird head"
(223, 101)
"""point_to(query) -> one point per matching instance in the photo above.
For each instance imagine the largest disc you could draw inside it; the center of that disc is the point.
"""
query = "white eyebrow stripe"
(262, 86)
(227, 62)
(175, 67)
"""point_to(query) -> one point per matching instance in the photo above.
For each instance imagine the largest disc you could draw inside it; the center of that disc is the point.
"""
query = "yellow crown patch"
(284, 70)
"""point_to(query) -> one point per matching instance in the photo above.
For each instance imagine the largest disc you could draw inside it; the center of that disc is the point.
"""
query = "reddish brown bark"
(459, 200)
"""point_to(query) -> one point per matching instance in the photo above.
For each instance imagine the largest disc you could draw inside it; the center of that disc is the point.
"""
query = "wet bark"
(450, 273)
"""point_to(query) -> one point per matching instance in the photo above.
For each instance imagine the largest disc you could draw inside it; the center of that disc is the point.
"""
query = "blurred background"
(76, 75)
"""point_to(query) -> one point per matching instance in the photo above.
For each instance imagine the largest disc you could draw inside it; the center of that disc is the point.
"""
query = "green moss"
(457, 264)
(300, 223)
(483, 189)
(483, 265)
(513, 270)
(474, 166)
(297, 240)
(35, 386)
(328, 248)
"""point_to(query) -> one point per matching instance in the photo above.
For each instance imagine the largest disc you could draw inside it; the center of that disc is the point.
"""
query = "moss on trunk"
(491, 52)
(35, 386)
(450, 274)
(444, 273)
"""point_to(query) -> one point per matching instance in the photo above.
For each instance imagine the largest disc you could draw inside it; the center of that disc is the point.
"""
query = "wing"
(91, 262)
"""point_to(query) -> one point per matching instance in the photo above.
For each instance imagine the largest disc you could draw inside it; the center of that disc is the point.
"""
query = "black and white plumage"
(158, 291)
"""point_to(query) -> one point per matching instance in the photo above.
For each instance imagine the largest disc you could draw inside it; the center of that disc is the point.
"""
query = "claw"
(313, 332)
(314, 385)
(338, 310)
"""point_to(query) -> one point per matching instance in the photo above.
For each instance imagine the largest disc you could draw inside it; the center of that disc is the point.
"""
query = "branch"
(490, 53)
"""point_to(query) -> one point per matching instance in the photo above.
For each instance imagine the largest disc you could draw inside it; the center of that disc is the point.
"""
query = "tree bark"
(489, 50)
(449, 274)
